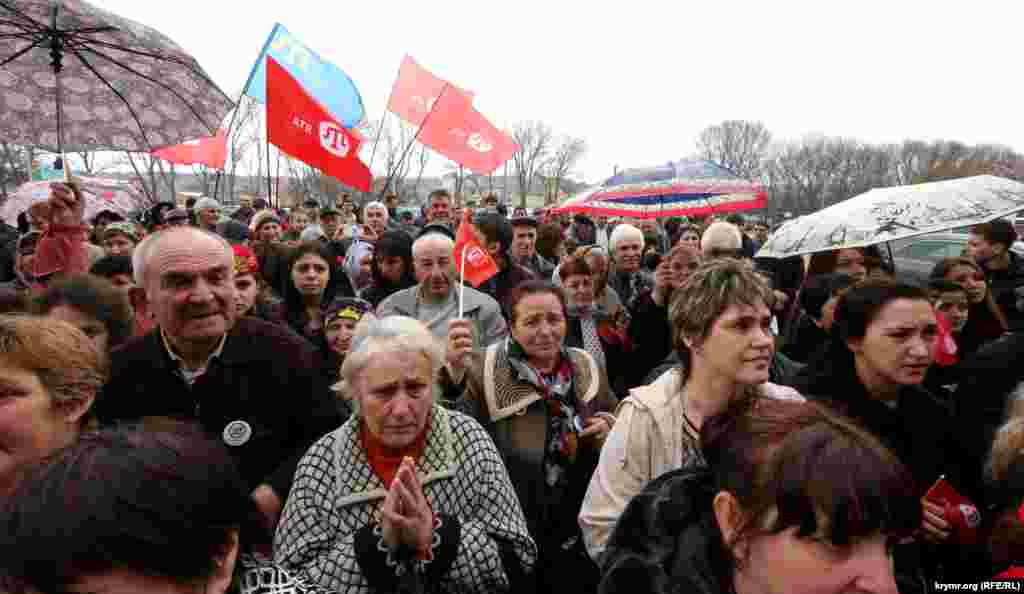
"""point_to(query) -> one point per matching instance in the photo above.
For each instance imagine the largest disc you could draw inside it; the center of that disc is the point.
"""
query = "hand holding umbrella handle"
(67, 206)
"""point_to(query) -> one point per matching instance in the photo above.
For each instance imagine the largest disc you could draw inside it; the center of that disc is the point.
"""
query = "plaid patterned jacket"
(327, 533)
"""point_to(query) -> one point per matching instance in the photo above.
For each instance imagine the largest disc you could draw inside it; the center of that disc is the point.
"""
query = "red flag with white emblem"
(458, 131)
(301, 127)
(415, 91)
(471, 259)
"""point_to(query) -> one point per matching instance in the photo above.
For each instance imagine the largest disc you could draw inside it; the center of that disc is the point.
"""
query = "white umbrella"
(888, 214)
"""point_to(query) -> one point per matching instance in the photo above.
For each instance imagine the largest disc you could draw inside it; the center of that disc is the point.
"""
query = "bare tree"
(738, 145)
(156, 176)
(245, 135)
(563, 158)
(534, 140)
(14, 166)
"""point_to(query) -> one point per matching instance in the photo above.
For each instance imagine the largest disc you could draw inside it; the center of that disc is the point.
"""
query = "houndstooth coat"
(329, 534)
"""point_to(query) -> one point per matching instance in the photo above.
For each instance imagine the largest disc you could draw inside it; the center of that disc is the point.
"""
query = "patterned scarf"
(561, 441)
(588, 317)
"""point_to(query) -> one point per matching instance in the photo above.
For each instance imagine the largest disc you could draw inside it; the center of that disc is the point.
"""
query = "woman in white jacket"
(720, 323)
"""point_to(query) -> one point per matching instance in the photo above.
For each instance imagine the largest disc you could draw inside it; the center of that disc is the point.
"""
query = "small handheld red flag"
(471, 259)
(211, 151)
(298, 125)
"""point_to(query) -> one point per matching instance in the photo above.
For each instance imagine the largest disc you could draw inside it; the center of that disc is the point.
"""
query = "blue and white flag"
(324, 81)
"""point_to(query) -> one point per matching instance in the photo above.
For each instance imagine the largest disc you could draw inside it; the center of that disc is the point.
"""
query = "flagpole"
(380, 126)
(227, 134)
(401, 160)
(462, 283)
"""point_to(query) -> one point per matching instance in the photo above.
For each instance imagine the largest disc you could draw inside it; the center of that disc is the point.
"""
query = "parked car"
(914, 258)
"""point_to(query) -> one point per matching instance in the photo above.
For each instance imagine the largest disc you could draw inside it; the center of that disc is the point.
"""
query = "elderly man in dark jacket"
(253, 386)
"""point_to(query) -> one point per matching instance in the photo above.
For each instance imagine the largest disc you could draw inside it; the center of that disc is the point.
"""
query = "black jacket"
(651, 335)
(266, 377)
(666, 540)
(1003, 284)
(987, 378)
(919, 430)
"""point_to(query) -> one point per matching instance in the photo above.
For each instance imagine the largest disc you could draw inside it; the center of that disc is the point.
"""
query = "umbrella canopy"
(76, 77)
(120, 196)
(686, 188)
(900, 212)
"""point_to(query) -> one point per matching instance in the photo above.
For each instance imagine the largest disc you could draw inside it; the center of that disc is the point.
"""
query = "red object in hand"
(961, 513)
(479, 266)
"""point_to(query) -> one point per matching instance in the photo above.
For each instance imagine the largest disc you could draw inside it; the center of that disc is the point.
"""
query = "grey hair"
(431, 237)
(390, 334)
(622, 233)
(375, 204)
(721, 236)
(144, 252)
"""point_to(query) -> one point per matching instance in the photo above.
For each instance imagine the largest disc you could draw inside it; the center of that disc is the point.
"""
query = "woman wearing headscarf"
(406, 495)
(341, 318)
(548, 408)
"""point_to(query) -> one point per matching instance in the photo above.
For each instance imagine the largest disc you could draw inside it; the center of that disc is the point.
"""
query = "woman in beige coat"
(720, 320)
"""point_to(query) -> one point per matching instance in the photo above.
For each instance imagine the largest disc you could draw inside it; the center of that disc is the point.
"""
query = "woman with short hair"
(50, 373)
(794, 499)
(721, 326)
(405, 493)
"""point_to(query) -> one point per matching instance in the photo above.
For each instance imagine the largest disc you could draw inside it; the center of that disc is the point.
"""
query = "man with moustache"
(230, 376)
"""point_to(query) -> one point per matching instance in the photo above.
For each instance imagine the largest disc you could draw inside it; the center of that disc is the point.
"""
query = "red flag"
(298, 125)
(416, 90)
(211, 151)
(960, 511)
(479, 264)
(459, 132)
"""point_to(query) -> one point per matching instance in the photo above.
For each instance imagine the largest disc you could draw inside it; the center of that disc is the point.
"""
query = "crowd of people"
(310, 402)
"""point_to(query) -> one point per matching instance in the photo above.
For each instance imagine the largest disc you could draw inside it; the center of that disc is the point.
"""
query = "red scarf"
(385, 462)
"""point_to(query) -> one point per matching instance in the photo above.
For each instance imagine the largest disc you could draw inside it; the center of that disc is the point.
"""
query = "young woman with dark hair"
(391, 267)
(154, 509)
(794, 499)
(872, 369)
(313, 282)
(985, 320)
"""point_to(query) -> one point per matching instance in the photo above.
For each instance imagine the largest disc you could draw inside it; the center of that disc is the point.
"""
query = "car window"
(923, 250)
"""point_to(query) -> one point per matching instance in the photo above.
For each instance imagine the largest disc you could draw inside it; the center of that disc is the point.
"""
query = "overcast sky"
(638, 79)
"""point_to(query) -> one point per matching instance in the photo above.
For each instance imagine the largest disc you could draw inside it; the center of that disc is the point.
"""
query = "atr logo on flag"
(333, 139)
(478, 143)
(301, 127)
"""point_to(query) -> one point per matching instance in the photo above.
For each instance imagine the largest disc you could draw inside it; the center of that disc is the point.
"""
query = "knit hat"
(129, 230)
(203, 203)
(177, 214)
(262, 218)
(245, 260)
(347, 308)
